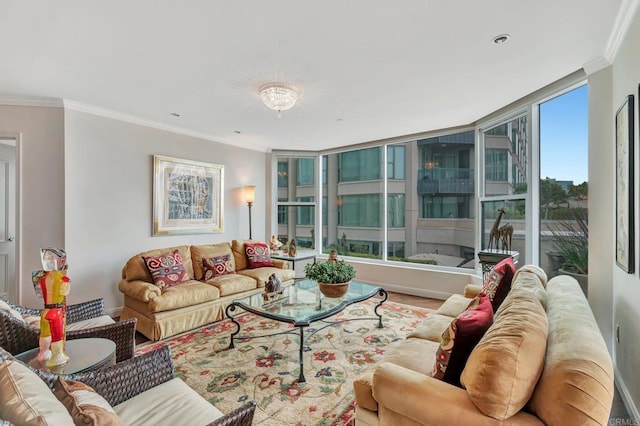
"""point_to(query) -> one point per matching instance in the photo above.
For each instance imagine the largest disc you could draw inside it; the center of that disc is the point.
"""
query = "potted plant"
(333, 277)
(571, 243)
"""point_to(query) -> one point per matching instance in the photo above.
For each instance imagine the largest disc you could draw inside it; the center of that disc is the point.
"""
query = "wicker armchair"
(122, 381)
(17, 336)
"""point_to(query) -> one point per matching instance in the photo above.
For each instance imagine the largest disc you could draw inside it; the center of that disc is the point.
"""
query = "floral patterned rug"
(265, 369)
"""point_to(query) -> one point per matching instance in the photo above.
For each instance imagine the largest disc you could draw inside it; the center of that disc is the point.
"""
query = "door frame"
(17, 290)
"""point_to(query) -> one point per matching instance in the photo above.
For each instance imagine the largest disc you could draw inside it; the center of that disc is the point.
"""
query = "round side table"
(84, 355)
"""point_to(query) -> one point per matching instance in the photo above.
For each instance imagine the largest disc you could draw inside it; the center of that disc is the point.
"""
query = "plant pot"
(334, 290)
(582, 279)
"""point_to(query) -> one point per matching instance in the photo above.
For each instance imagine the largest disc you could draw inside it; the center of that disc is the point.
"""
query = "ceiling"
(367, 69)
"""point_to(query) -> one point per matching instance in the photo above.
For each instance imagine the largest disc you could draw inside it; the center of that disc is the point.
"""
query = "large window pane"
(305, 171)
(563, 185)
(438, 202)
(354, 207)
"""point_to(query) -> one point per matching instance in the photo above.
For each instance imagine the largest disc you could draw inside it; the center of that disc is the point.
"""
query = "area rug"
(265, 369)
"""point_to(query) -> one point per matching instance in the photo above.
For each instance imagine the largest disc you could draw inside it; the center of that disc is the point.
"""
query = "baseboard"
(414, 291)
(114, 312)
(626, 397)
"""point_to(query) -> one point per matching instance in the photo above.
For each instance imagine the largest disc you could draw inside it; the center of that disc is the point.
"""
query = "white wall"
(607, 90)
(109, 181)
(40, 151)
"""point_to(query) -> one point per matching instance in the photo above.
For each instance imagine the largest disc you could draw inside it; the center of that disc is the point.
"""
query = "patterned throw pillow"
(498, 283)
(167, 269)
(85, 405)
(258, 254)
(217, 265)
(459, 339)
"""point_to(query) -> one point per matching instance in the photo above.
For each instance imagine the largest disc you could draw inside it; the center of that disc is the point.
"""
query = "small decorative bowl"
(334, 290)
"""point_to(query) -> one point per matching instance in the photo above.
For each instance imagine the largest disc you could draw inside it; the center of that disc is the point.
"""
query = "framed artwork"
(187, 196)
(624, 186)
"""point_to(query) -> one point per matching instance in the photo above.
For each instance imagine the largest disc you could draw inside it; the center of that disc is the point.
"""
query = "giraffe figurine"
(494, 234)
(506, 232)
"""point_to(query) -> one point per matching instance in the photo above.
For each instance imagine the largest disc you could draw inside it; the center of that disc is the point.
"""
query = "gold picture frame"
(187, 196)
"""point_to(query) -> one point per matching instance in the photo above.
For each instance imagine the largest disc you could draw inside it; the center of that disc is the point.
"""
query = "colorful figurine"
(333, 257)
(55, 286)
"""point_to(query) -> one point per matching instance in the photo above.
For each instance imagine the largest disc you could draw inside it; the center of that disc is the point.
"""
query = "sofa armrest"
(241, 416)
(427, 400)
(124, 380)
(122, 333)
(472, 290)
(281, 264)
(139, 290)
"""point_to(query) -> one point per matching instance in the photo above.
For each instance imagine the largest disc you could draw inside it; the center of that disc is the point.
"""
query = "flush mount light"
(502, 38)
(278, 96)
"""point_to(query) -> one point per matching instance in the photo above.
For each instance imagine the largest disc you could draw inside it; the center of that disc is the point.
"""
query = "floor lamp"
(249, 196)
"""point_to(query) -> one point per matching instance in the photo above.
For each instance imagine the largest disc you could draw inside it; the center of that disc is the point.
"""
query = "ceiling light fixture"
(278, 96)
(500, 39)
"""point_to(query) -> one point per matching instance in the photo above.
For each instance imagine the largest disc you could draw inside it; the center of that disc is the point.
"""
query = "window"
(505, 186)
(496, 165)
(395, 210)
(395, 162)
(283, 174)
(304, 175)
(360, 165)
(305, 214)
(360, 210)
(564, 182)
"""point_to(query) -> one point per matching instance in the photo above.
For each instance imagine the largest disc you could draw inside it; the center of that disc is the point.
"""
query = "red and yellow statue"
(55, 286)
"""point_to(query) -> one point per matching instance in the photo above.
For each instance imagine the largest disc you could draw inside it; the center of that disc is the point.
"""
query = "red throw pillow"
(216, 266)
(498, 283)
(258, 254)
(167, 269)
(459, 339)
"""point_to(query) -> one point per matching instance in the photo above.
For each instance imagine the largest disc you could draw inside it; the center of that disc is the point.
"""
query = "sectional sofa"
(198, 301)
(543, 361)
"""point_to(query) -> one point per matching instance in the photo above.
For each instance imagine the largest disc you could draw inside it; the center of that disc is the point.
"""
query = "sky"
(563, 137)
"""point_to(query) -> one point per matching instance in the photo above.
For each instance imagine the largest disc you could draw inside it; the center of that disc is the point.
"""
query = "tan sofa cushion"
(454, 305)
(136, 269)
(233, 283)
(239, 254)
(26, 400)
(185, 294)
(171, 403)
(414, 354)
(212, 250)
(432, 328)
(503, 369)
(261, 275)
(577, 382)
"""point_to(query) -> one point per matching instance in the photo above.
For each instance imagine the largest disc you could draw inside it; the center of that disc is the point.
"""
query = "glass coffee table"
(301, 304)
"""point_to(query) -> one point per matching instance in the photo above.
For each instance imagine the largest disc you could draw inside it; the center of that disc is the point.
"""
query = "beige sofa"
(543, 361)
(164, 313)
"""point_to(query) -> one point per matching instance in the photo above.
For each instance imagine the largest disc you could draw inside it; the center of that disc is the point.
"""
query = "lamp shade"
(249, 193)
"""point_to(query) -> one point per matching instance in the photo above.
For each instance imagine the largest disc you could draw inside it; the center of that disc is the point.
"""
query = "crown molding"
(102, 112)
(596, 65)
(621, 25)
(31, 101)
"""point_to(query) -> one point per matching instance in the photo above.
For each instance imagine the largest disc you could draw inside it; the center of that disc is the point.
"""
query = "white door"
(8, 288)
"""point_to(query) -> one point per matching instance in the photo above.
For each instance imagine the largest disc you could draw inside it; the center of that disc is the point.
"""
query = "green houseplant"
(571, 244)
(333, 277)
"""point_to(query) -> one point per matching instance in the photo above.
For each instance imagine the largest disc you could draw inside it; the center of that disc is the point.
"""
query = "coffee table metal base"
(300, 326)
